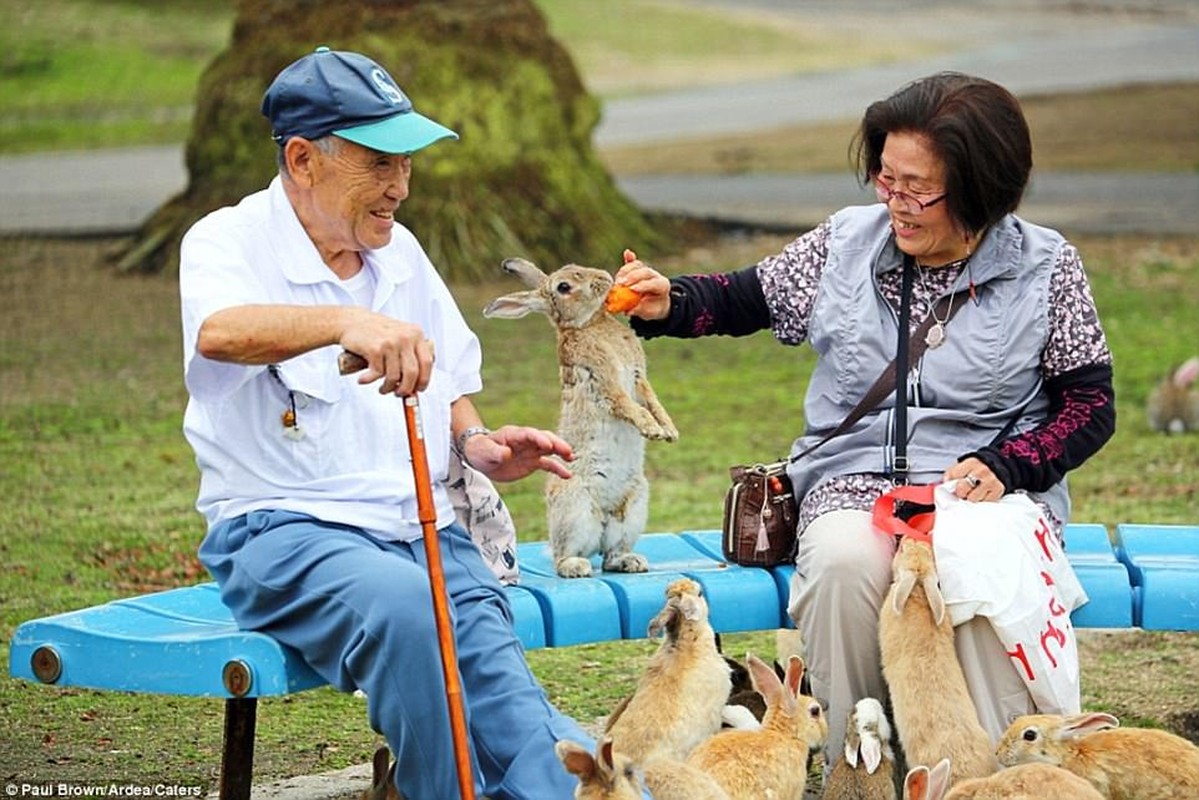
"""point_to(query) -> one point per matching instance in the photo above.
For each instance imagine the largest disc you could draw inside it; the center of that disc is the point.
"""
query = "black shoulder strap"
(908, 351)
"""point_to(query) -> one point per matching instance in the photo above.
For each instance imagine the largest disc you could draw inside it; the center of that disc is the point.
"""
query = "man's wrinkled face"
(356, 192)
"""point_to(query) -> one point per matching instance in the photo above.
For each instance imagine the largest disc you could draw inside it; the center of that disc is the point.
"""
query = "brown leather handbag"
(760, 509)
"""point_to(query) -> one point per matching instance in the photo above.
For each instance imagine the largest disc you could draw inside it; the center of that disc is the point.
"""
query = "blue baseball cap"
(347, 95)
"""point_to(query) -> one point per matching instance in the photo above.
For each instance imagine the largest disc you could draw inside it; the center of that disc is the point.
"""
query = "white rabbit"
(1025, 782)
(1120, 762)
(1174, 403)
(868, 738)
(773, 760)
(685, 685)
(610, 775)
(608, 410)
(934, 714)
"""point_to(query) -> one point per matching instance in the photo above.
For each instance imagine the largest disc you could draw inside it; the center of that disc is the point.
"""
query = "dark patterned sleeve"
(1077, 368)
(776, 293)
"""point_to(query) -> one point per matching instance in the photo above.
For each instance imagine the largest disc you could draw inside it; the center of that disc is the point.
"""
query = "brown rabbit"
(773, 760)
(1120, 762)
(934, 714)
(685, 685)
(1174, 404)
(866, 770)
(608, 410)
(1025, 782)
(382, 778)
(610, 775)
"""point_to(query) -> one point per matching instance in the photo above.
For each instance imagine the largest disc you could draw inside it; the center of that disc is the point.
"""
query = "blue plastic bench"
(185, 642)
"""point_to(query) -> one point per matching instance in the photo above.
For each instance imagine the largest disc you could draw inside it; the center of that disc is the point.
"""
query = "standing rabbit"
(866, 770)
(771, 761)
(1140, 763)
(1174, 403)
(934, 714)
(608, 410)
(611, 775)
(1025, 782)
(685, 685)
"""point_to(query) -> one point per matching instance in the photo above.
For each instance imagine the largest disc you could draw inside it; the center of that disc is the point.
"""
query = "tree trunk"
(522, 181)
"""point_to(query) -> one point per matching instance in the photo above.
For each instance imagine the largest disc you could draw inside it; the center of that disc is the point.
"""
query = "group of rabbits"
(668, 736)
(671, 735)
(1039, 756)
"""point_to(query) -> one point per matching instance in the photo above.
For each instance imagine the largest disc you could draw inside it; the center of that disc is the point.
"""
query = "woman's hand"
(976, 481)
(653, 287)
(514, 452)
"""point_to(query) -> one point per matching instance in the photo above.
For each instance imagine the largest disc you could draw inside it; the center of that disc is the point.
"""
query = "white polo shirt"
(346, 459)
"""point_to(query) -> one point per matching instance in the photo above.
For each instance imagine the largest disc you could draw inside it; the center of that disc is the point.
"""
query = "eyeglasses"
(908, 203)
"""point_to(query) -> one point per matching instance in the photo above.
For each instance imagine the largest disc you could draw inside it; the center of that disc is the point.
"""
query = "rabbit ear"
(379, 765)
(915, 784)
(794, 674)
(872, 753)
(526, 271)
(605, 759)
(764, 680)
(516, 305)
(853, 740)
(1186, 374)
(692, 608)
(665, 622)
(1082, 724)
(576, 759)
(936, 601)
(938, 780)
(905, 581)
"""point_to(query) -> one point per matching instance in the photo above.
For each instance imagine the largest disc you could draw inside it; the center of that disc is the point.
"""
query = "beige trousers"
(843, 572)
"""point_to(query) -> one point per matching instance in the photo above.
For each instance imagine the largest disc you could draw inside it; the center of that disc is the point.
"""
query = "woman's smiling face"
(933, 237)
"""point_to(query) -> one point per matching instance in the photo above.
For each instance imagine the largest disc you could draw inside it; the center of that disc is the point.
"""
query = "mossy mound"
(523, 180)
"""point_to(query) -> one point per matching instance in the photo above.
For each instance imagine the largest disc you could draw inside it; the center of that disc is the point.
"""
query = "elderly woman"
(1012, 393)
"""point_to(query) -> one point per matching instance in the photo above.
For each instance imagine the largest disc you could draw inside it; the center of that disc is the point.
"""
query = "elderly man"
(306, 481)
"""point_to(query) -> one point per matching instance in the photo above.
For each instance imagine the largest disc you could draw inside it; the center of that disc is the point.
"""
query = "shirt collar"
(301, 262)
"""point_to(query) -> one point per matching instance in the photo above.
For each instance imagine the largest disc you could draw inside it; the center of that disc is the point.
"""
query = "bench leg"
(237, 759)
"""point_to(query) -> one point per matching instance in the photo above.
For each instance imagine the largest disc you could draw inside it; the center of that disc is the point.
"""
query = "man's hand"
(395, 351)
(515, 452)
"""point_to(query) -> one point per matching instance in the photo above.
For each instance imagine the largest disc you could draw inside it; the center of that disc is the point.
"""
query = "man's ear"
(299, 155)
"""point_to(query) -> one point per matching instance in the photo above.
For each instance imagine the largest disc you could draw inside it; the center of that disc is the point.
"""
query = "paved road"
(1049, 52)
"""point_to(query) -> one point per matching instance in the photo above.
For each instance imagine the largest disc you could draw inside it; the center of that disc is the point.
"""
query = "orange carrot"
(621, 299)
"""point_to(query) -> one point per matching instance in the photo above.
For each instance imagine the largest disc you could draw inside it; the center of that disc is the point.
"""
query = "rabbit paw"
(659, 433)
(573, 567)
(625, 562)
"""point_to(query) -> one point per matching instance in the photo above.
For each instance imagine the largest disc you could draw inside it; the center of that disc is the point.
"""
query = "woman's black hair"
(974, 126)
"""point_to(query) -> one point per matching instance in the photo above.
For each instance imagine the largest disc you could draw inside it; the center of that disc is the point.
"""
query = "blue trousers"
(360, 612)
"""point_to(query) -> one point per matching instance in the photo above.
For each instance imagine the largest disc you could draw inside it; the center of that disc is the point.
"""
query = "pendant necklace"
(936, 334)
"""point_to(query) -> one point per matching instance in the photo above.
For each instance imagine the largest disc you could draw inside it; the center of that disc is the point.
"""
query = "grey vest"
(962, 394)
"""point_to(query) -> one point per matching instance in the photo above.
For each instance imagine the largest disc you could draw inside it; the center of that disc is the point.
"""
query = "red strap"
(918, 526)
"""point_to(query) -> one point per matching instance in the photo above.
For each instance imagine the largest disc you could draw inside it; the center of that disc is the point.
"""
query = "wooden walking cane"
(349, 363)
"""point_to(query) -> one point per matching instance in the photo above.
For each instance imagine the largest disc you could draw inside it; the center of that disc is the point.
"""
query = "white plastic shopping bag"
(1001, 560)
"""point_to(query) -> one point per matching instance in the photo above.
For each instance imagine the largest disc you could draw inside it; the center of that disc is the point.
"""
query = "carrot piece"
(621, 299)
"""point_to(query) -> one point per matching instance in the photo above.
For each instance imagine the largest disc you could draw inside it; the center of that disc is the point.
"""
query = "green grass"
(99, 484)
